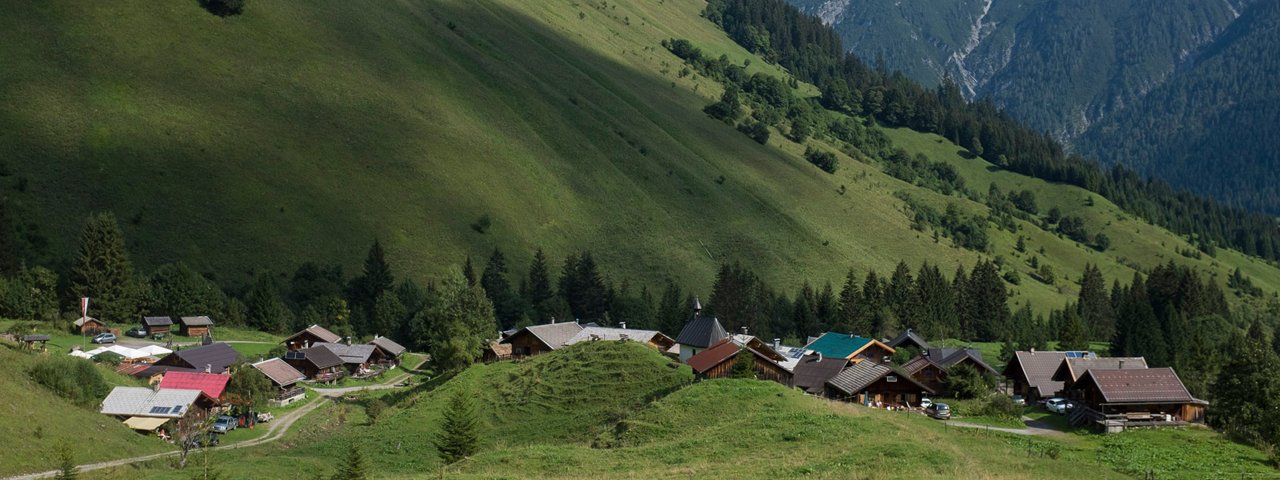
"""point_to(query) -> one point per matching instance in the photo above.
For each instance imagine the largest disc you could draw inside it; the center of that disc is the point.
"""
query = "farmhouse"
(355, 358)
(852, 347)
(157, 325)
(196, 326)
(386, 351)
(310, 336)
(871, 383)
(316, 363)
(145, 409)
(812, 372)
(89, 325)
(652, 338)
(496, 351)
(927, 372)
(1115, 399)
(718, 361)
(537, 339)
(212, 358)
(909, 339)
(210, 384)
(1072, 368)
(699, 333)
(284, 377)
(1030, 374)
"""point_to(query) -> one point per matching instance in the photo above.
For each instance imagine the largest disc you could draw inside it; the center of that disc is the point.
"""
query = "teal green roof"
(838, 345)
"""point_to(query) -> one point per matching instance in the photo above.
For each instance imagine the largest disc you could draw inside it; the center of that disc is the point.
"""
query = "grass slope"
(37, 421)
(301, 131)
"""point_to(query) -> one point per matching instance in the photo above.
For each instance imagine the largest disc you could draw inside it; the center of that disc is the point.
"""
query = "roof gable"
(841, 345)
(714, 355)
(1038, 368)
(387, 345)
(1148, 385)
(863, 374)
(157, 321)
(316, 331)
(813, 371)
(1073, 368)
(319, 357)
(212, 384)
(279, 371)
(909, 338)
(199, 321)
(702, 331)
(348, 353)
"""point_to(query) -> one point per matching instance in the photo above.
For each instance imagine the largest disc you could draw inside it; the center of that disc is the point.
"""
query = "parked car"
(925, 403)
(1057, 405)
(1019, 400)
(940, 411)
(104, 338)
(137, 332)
(224, 424)
(210, 439)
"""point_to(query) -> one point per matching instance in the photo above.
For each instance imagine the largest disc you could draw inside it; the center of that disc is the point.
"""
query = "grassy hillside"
(36, 422)
(584, 412)
(300, 132)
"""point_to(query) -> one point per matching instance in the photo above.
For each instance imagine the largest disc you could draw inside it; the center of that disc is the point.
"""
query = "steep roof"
(279, 372)
(1148, 385)
(813, 371)
(920, 362)
(910, 338)
(713, 355)
(1038, 369)
(950, 357)
(842, 345)
(82, 320)
(320, 357)
(319, 332)
(200, 321)
(603, 333)
(387, 345)
(216, 356)
(348, 353)
(554, 335)
(861, 375)
(702, 331)
(790, 356)
(145, 402)
(212, 384)
(157, 321)
(1072, 368)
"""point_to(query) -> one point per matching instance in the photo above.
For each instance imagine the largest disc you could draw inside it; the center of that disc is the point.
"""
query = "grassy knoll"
(301, 131)
(37, 421)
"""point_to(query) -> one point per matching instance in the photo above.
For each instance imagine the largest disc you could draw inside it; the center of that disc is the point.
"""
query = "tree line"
(812, 51)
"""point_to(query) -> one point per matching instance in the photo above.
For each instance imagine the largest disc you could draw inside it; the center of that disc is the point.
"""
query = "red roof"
(1143, 385)
(712, 356)
(212, 384)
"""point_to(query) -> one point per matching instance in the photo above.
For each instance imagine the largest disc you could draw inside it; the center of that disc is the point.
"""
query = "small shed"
(495, 352)
(387, 352)
(718, 361)
(28, 342)
(157, 325)
(196, 326)
(309, 336)
(89, 326)
(538, 339)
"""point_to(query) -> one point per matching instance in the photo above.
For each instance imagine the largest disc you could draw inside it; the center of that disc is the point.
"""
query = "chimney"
(208, 368)
(623, 325)
(777, 342)
(819, 356)
(1033, 351)
(744, 329)
(697, 305)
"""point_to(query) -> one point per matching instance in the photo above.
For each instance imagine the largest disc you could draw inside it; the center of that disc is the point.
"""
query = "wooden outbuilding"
(387, 351)
(89, 326)
(718, 361)
(1030, 374)
(157, 325)
(1113, 400)
(539, 339)
(28, 342)
(310, 336)
(196, 326)
(870, 383)
(316, 363)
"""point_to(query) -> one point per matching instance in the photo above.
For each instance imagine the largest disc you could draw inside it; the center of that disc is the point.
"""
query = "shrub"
(756, 130)
(823, 159)
(71, 378)
(223, 8)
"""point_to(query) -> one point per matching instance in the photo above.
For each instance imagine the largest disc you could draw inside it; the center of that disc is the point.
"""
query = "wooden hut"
(718, 361)
(157, 325)
(196, 326)
(310, 336)
(871, 383)
(89, 326)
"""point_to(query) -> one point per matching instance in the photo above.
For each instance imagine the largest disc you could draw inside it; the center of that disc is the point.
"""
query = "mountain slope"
(298, 133)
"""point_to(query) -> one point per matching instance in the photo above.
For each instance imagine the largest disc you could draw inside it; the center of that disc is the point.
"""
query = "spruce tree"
(960, 287)
(498, 288)
(672, 310)
(825, 307)
(8, 245)
(469, 272)
(266, 309)
(538, 291)
(988, 302)
(900, 295)
(938, 317)
(744, 365)
(66, 464)
(872, 302)
(1247, 389)
(804, 316)
(389, 315)
(356, 467)
(1094, 305)
(376, 280)
(848, 309)
(104, 272)
(459, 430)
(1073, 335)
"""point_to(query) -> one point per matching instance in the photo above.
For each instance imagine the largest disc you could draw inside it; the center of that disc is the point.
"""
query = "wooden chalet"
(89, 326)
(196, 326)
(909, 339)
(930, 368)
(718, 361)
(1030, 374)
(1113, 400)
(539, 339)
(812, 372)
(316, 363)
(699, 333)
(157, 325)
(284, 377)
(147, 409)
(871, 383)
(928, 373)
(1072, 369)
(652, 338)
(496, 352)
(356, 359)
(851, 347)
(310, 336)
(212, 358)
(386, 351)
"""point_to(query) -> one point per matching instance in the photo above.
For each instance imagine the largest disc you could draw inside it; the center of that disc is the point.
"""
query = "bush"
(223, 8)
(756, 130)
(823, 159)
(964, 381)
(1000, 406)
(71, 378)
(375, 409)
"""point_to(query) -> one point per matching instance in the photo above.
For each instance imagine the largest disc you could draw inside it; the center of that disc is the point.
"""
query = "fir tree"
(538, 292)
(872, 302)
(459, 431)
(987, 299)
(8, 246)
(744, 365)
(1073, 335)
(356, 467)
(498, 288)
(960, 287)
(104, 272)
(825, 307)
(376, 279)
(672, 309)
(469, 272)
(849, 317)
(1246, 391)
(900, 295)
(266, 310)
(66, 464)
(1094, 306)
(938, 317)
(804, 317)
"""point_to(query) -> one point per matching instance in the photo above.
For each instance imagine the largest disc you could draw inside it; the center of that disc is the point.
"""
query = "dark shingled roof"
(217, 357)
(157, 321)
(319, 332)
(348, 353)
(1038, 368)
(35, 338)
(861, 375)
(201, 321)
(1073, 368)
(917, 364)
(950, 357)
(387, 345)
(813, 371)
(909, 337)
(715, 355)
(702, 332)
(321, 357)
(1147, 385)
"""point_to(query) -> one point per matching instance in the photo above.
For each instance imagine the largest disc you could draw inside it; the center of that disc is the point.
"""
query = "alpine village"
(721, 239)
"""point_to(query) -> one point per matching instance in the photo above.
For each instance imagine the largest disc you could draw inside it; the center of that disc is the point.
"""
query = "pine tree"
(66, 464)
(960, 288)
(498, 288)
(356, 467)
(872, 302)
(1073, 335)
(266, 310)
(104, 272)
(375, 281)
(848, 308)
(988, 302)
(938, 317)
(469, 272)
(900, 295)
(1094, 306)
(1246, 392)
(744, 365)
(804, 317)
(459, 431)
(672, 310)
(538, 291)
(825, 308)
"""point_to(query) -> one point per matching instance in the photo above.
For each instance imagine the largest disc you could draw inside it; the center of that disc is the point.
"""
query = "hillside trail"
(275, 429)
(1034, 427)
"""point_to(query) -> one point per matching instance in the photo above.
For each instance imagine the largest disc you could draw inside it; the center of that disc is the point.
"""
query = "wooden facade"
(932, 376)
(766, 369)
(524, 344)
(886, 392)
(196, 331)
(157, 329)
(90, 326)
(874, 352)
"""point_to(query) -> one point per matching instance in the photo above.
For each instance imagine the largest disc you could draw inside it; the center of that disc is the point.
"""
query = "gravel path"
(1034, 427)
